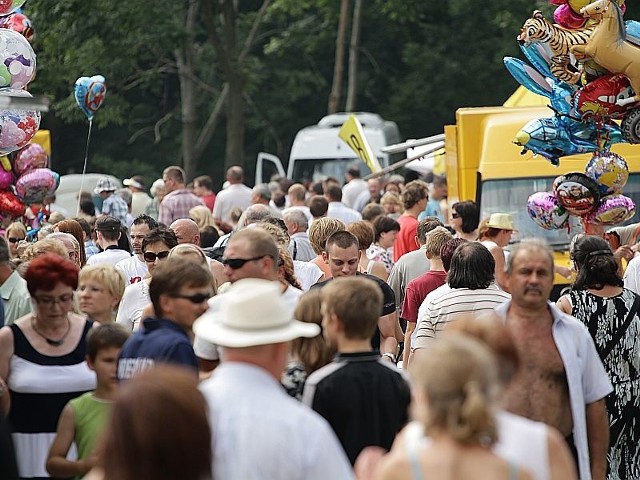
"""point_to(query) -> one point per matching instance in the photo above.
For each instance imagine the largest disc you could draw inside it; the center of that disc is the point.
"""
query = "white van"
(67, 192)
(317, 151)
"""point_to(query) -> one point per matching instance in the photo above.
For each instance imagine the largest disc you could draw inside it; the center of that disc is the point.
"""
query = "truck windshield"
(510, 196)
(317, 169)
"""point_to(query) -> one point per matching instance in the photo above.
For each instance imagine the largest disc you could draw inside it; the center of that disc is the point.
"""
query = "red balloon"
(10, 205)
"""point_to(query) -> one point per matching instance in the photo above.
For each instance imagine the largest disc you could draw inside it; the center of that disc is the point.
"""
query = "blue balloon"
(89, 93)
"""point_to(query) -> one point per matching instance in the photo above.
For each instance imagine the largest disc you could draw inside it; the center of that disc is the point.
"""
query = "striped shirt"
(455, 303)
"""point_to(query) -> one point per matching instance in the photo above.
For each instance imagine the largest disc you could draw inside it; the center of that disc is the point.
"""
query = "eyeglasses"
(14, 240)
(50, 301)
(236, 263)
(195, 298)
(455, 215)
(151, 257)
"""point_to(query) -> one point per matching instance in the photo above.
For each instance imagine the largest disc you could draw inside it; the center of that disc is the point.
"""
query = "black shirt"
(364, 398)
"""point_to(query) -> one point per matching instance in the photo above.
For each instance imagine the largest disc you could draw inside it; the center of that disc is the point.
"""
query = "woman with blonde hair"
(392, 205)
(306, 355)
(100, 289)
(202, 216)
(14, 234)
(455, 383)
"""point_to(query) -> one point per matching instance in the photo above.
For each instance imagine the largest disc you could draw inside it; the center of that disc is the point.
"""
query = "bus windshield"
(510, 196)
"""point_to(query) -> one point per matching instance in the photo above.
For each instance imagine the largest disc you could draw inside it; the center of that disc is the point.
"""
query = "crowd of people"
(312, 331)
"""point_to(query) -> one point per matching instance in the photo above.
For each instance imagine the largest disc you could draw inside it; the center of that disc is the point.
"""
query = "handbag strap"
(623, 328)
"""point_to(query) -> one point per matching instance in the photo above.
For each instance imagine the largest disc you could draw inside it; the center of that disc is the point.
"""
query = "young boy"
(364, 398)
(84, 417)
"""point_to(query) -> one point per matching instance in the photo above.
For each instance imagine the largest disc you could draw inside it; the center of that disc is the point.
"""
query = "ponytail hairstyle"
(458, 379)
(595, 264)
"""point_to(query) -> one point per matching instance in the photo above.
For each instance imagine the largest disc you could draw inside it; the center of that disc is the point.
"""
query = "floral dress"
(603, 316)
(379, 254)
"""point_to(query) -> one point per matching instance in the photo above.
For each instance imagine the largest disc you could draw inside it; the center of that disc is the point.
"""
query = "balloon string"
(84, 167)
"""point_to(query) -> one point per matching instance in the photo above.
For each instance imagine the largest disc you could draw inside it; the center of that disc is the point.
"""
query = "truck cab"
(317, 152)
(483, 164)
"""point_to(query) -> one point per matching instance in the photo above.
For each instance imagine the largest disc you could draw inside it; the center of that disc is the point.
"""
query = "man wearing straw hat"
(259, 432)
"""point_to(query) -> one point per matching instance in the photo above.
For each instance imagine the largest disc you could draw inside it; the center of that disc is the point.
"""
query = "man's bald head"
(186, 231)
(235, 174)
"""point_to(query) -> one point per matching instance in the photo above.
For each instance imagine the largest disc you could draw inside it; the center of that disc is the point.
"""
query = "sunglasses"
(195, 298)
(151, 257)
(236, 263)
(455, 215)
(14, 240)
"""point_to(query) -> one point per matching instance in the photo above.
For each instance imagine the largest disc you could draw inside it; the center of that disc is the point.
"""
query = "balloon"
(33, 186)
(597, 99)
(20, 23)
(18, 65)
(544, 209)
(10, 204)
(609, 48)
(567, 18)
(17, 127)
(10, 6)
(560, 136)
(613, 209)
(89, 93)
(6, 179)
(609, 170)
(30, 157)
(577, 193)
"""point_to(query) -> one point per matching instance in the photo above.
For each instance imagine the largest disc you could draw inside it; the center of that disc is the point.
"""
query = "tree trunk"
(234, 153)
(186, 74)
(338, 65)
(354, 46)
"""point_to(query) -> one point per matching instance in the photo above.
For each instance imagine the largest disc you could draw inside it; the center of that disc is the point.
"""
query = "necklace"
(51, 341)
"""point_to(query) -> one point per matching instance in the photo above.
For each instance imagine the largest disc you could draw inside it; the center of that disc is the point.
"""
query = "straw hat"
(252, 313)
(503, 221)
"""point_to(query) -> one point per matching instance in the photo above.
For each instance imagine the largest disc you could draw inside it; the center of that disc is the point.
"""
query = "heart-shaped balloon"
(10, 205)
(89, 93)
(30, 157)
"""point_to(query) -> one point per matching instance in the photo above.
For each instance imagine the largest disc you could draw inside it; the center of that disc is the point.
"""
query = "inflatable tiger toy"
(538, 29)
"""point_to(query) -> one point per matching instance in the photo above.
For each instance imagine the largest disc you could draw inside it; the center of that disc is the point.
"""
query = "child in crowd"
(364, 398)
(84, 418)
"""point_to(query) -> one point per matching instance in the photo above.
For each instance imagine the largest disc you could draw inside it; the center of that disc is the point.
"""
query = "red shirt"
(417, 291)
(209, 200)
(406, 239)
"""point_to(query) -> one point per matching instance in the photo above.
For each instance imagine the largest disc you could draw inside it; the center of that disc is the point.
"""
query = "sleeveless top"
(91, 415)
(40, 387)
(416, 468)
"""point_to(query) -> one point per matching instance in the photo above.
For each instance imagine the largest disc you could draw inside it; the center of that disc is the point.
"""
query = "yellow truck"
(483, 164)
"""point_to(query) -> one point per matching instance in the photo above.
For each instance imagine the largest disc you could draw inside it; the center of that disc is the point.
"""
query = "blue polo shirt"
(158, 341)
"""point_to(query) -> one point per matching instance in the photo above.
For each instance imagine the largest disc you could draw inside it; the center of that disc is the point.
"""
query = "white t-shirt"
(135, 298)
(110, 256)
(237, 195)
(133, 268)
(306, 273)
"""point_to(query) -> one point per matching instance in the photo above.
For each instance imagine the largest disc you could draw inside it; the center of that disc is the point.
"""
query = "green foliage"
(419, 60)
